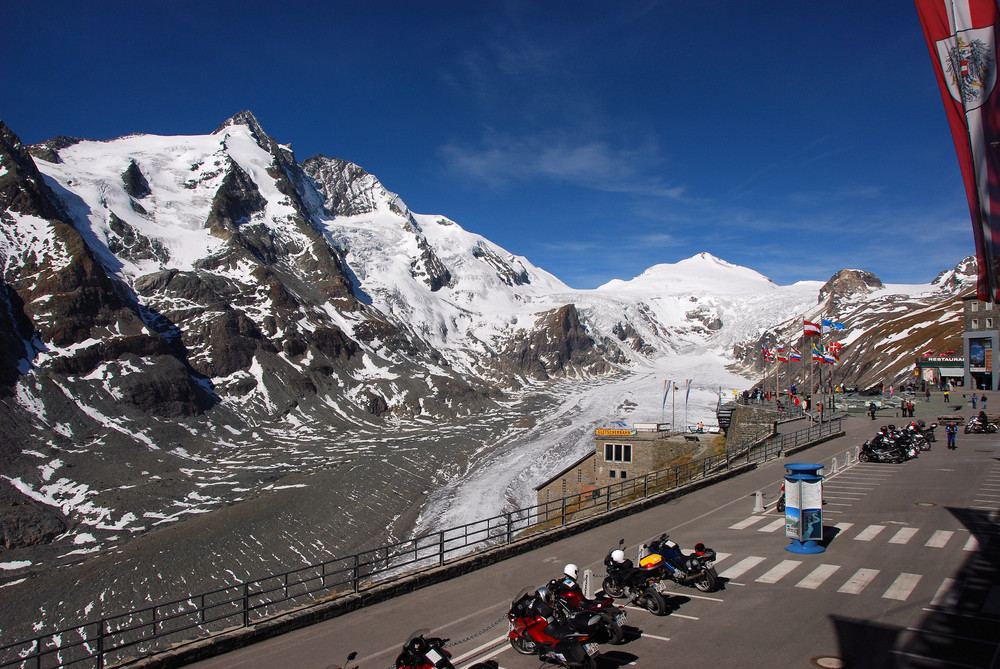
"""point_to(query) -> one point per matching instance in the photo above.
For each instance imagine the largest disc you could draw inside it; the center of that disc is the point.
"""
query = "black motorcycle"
(695, 569)
(881, 448)
(427, 652)
(640, 585)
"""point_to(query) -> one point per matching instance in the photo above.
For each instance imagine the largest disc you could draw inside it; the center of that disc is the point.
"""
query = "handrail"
(145, 631)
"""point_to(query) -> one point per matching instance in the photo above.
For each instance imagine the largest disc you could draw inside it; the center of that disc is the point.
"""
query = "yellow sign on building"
(614, 433)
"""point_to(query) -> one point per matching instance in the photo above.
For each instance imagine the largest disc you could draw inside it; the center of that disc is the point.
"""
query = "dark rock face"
(135, 182)
(24, 522)
(559, 345)
(848, 282)
(507, 273)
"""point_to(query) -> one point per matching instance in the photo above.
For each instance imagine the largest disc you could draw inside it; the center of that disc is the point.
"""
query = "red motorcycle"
(570, 598)
(536, 628)
(424, 652)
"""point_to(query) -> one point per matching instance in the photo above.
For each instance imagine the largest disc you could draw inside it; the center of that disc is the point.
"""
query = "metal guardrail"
(145, 631)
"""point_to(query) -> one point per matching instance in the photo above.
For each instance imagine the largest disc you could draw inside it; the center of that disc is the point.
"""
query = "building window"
(989, 323)
(974, 305)
(975, 324)
(618, 452)
(624, 475)
(579, 476)
(611, 473)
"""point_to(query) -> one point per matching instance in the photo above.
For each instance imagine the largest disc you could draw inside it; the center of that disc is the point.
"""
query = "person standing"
(974, 400)
(946, 400)
(951, 431)
(871, 410)
(927, 395)
(982, 402)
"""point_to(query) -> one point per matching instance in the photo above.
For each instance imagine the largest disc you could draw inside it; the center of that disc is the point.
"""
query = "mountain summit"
(185, 321)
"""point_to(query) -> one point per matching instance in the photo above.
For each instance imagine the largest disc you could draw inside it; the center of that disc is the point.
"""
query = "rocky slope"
(199, 325)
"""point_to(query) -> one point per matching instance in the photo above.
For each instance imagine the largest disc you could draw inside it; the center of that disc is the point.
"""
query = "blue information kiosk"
(804, 507)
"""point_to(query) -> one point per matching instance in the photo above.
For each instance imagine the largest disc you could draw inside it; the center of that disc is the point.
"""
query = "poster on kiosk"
(804, 508)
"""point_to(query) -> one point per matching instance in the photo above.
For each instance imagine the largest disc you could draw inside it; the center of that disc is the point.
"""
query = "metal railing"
(155, 628)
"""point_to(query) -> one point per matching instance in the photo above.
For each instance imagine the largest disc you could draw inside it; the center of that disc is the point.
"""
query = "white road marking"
(773, 526)
(939, 539)
(869, 533)
(817, 576)
(948, 594)
(902, 586)
(859, 581)
(903, 535)
(746, 522)
(742, 567)
(775, 574)
(972, 544)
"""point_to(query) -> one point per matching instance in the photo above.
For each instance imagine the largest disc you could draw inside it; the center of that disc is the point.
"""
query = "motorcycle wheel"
(524, 646)
(991, 428)
(780, 506)
(589, 663)
(706, 583)
(967, 430)
(616, 634)
(862, 457)
(654, 602)
(612, 587)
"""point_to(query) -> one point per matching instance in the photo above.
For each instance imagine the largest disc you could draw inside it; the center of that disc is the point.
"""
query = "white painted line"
(817, 576)
(645, 635)
(777, 573)
(747, 522)
(903, 536)
(902, 587)
(939, 539)
(947, 595)
(741, 567)
(859, 581)
(719, 557)
(773, 526)
(478, 651)
(838, 504)
(843, 527)
(869, 533)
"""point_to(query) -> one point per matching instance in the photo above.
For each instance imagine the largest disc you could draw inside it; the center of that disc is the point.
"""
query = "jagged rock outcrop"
(558, 346)
(847, 283)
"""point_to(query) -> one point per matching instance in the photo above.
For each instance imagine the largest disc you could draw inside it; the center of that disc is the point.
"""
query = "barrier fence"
(145, 631)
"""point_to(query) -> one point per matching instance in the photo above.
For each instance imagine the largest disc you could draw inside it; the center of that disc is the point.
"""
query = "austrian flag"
(810, 329)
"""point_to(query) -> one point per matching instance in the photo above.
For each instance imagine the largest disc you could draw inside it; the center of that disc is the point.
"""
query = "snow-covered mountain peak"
(702, 274)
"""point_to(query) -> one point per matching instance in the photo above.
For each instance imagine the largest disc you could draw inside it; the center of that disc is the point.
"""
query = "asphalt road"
(909, 578)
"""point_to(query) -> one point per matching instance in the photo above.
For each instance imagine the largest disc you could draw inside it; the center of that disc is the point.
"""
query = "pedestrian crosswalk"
(901, 536)
(889, 584)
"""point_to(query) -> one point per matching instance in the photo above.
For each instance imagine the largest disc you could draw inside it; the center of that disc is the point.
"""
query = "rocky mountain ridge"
(175, 307)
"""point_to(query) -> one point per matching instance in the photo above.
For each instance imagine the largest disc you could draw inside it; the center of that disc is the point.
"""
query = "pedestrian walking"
(946, 400)
(927, 395)
(951, 431)
(982, 402)
(871, 410)
(974, 400)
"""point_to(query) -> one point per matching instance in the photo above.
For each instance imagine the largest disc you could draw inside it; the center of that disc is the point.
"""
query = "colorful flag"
(767, 353)
(810, 329)
(666, 391)
(782, 358)
(795, 355)
(780, 348)
(687, 395)
(828, 325)
(817, 353)
(962, 40)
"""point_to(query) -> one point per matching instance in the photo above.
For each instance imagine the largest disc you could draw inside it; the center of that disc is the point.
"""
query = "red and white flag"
(962, 40)
(810, 329)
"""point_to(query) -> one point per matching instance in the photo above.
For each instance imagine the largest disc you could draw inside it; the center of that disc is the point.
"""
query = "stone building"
(982, 330)
(620, 454)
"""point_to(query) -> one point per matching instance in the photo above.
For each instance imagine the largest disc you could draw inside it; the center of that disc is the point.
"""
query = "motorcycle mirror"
(621, 542)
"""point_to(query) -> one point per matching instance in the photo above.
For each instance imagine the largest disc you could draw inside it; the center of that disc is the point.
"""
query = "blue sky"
(597, 139)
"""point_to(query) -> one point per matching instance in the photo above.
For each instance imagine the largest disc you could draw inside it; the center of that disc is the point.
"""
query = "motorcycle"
(780, 504)
(537, 629)
(423, 652)
(570, 598)
(882, 448)
(980, 425)
(694, 569)
(640, 585)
